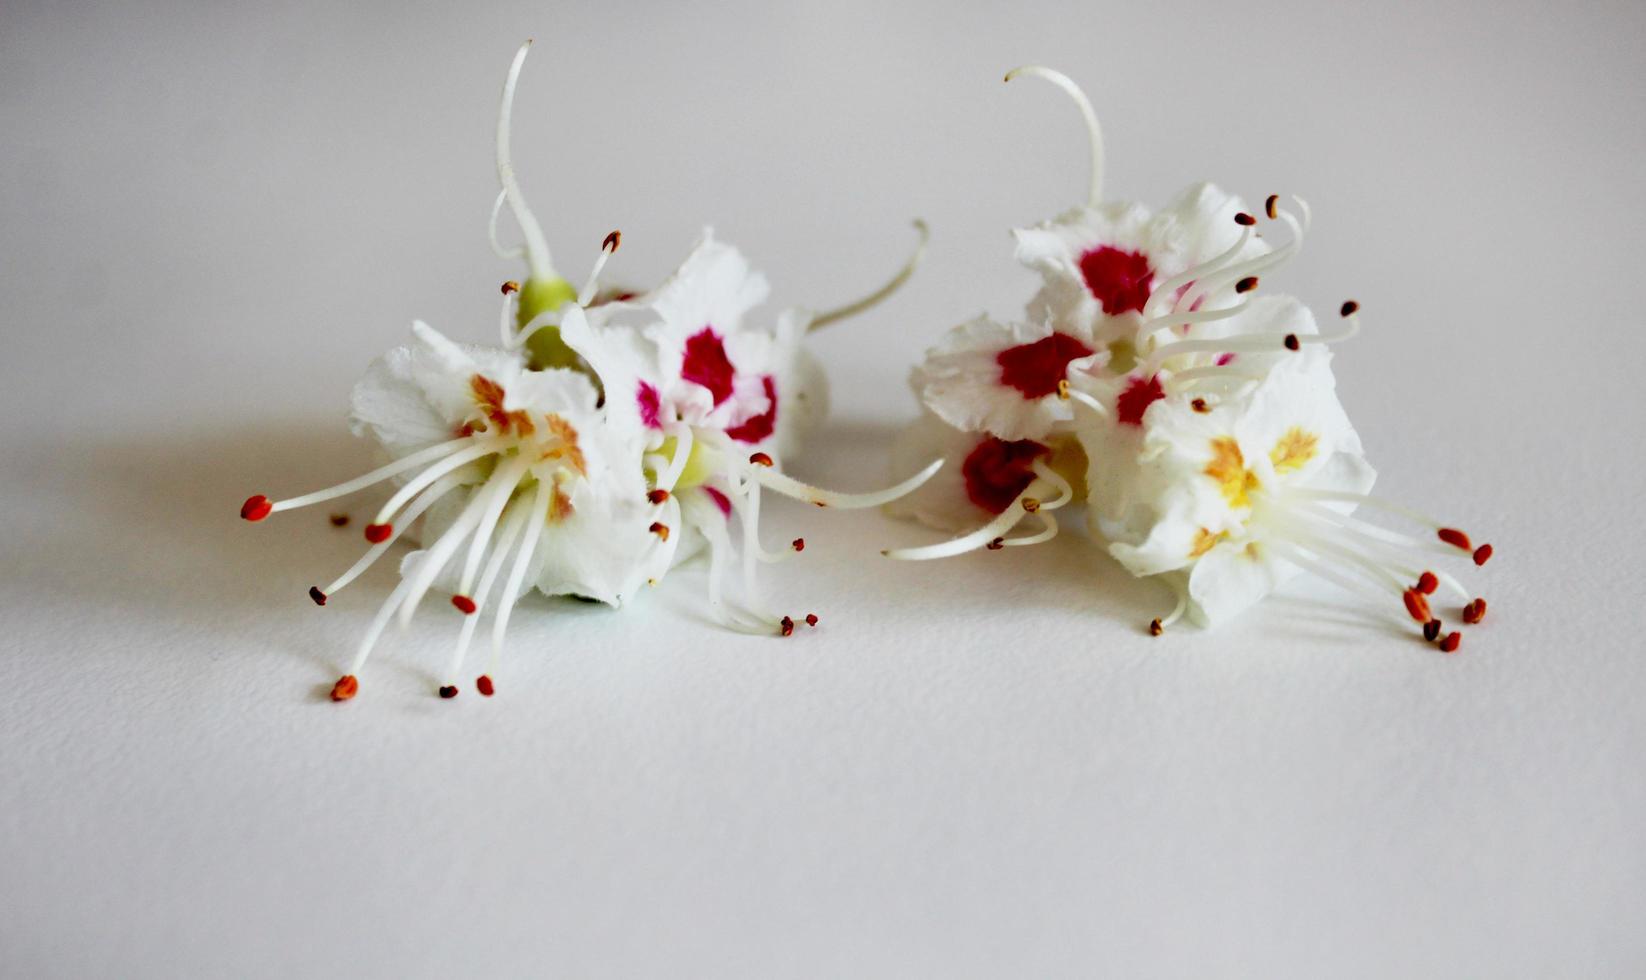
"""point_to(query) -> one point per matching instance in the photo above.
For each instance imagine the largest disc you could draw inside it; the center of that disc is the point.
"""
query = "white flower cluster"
(603, 441)
(1196, 418)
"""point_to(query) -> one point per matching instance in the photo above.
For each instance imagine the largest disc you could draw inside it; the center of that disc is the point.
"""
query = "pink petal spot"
(759, 427)
(1035, 369)
(1136, 399)
(997, 471)
(1223, 360)
(720, 500)
(706, 364)
(651, 408)
(1119, 279)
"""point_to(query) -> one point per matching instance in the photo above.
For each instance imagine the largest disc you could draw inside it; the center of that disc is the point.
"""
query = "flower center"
(997, 471)
(1035, 369)
(1118, 279)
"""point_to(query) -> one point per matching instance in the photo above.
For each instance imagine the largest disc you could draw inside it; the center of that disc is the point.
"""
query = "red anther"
(1155, 628)
(483, 684)
(378, 533)
(1417, 605)
(511, 287)
(798, 544)
(1483, 554)
(1451, 643)
(1349, 308)
(448, 691)
(1269, 206)
(346, 687)
(1431, 630)
(760, 459)
(1475, 611)
(1199, 405)
(660, 529)
(340, 520)
(1427, 583)
(811, 619)
(464, 604)
(256, 507)
(1246, 285)
(318, 596)
(613, 240)
(1455, 538)
(786, 625)
(657, 496)
(1292, 342)
(1245, 220)
(996, 544)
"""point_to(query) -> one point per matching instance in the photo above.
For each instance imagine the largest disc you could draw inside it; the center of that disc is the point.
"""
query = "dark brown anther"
(1427, 583)
(256, 508)
(448, 691)
(1451, 643)
(346, 687)
(1245, 220)
(786, 624)
(1246, 285)
(798, 544)
(660, 529)
(464, 604)
(1199, 405)
(511, 287)
(378, 533)
(811, 619)
(760, 459)
(1349, 308)
(1271, 206)
(996, 544)
(1417, 605)
(1292, 342)
(1155, 629)
(483, 684)
(1431, 630)
(1483, 554)
(612, 241)
(657, 496)
(339, 520)
(318, 596)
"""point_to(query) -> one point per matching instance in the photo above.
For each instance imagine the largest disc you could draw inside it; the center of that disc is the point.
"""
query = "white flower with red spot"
(1199, 423)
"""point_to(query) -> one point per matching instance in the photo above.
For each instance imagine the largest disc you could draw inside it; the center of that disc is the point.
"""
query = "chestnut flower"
(605, 439)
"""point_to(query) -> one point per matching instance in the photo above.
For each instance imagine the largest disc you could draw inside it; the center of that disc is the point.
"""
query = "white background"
(212, 217)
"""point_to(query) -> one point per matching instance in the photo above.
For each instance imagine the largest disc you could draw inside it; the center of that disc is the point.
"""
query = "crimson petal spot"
(706, 364)
(997, 471)
(1035, 369)
(1118, 279)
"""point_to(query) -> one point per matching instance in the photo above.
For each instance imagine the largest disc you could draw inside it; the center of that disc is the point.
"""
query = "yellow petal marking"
(1294, 450)
(1228, 468)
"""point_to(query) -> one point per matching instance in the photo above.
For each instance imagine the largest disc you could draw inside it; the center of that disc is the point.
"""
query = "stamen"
(657, 496)
(514, 520)
(448, 691)
(464, 604)
(1483, 554)
(984, 536)
(1169, 288)
(258, 507)
(535, 519)
(484, 685)
(798, 544)
(435, 558)
(787, 625)
(407, 518)
(453, 461)
(682, 454)
(1094, 133)
(378, 533)
(790, 487)
(339, 520)
(1431, 630)
(1417, 605)
(1246, 285)
(811, 619)
(1427, 583)
(880, 295)
(346, 687)
(1245, 220)
(1269, 206)
(1455, 538)
(536, 246)
(1475, 611)
(591, 286)
(318, 596)
(498, 490)
(1451, 643)
(510, 287)
(760, 459)
(660, 529)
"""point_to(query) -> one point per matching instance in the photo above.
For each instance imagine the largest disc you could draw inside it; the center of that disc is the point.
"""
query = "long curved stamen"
(536, 246)
(513, 521)
(708, 521)
(790, 487)
(878, 296)
(374, 632)
(1255, 266)
(506, 481)
(1066, 391)
(591, 286)
(415, 510)
(477, 449)
(1180, 381)
(1389, 549)
(977, 538)
(519, 251)
(376, 476)
(683, 438)
(1048, 530)
(1094, 132)
(1380, 536)
(1347, 583)
(1181, 591)
(535, 519)
(436, 558)
(1447, 535)
(1169, 288)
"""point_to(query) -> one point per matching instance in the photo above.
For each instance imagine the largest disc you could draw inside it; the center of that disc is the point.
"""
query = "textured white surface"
(211, 219)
